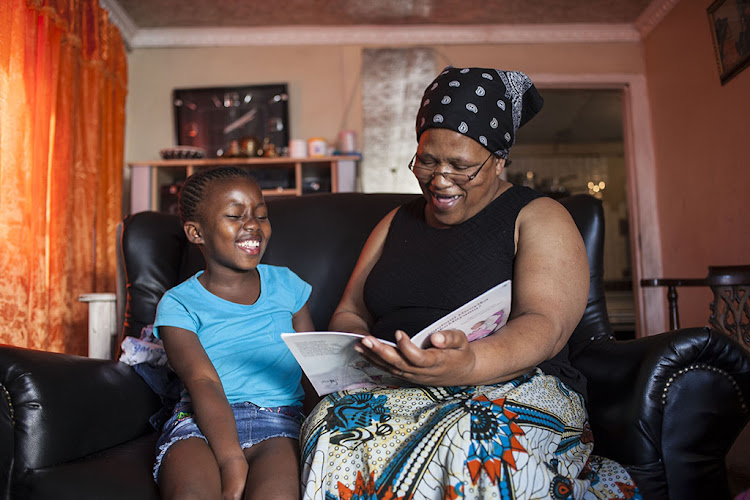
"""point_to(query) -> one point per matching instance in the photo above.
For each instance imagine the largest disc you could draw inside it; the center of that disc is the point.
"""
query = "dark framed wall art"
(730, 30)
(232, 121)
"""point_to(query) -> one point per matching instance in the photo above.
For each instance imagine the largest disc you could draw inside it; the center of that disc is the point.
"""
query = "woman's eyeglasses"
(426, 174)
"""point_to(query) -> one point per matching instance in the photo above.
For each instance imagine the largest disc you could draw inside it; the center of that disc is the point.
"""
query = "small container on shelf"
(182, 153)
(317, 147)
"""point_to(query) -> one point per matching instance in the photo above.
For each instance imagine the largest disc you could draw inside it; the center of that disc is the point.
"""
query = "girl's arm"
(550, 290)
(302, 322)
(351, 315)
(212, 411)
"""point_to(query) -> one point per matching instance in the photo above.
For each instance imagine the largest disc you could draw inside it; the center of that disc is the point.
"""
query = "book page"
(481, 316)
(331, 363)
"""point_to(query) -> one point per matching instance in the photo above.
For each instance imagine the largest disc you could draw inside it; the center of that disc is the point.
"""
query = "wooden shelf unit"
(157, 174)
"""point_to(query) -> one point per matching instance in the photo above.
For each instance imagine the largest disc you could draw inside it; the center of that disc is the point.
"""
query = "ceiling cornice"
(653, 15)
(138, 38)
(120, 18)
(379, 35)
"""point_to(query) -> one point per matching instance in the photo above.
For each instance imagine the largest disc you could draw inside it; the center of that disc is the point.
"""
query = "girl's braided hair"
(192, 192)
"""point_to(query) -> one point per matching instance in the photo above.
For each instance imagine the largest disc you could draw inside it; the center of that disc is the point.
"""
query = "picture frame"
(729, 21)
(218, 119)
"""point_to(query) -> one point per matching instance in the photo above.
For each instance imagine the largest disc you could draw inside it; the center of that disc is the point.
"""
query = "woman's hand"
(450, 361)
(233, 478)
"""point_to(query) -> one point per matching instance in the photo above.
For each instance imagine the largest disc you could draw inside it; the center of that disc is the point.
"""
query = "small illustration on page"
(487, 327)
(489, 311)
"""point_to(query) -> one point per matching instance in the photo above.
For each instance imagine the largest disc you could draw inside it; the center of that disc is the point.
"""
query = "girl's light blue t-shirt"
(244, 341)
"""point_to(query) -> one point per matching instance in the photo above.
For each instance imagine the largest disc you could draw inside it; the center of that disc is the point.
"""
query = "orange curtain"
(63, 75)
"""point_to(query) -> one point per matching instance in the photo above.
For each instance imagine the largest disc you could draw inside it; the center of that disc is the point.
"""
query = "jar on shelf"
(251, 147)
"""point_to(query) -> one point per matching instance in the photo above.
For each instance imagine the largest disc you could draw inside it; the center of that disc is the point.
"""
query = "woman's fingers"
(376, 360)
(408, 361)
(449, 339)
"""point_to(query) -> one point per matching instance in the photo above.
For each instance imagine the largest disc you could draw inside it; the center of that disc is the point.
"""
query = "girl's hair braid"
(191, 194)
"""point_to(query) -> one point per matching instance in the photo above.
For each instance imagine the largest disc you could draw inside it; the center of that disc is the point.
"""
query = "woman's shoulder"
(540, 204)
(417, 203)
(544, 215)
(507, 205)
(411, 212)
(523, 194)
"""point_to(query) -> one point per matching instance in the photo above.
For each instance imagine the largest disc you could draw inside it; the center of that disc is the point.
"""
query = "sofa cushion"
(119, 473)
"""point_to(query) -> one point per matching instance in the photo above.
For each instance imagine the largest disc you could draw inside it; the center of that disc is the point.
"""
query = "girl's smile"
(251, 245)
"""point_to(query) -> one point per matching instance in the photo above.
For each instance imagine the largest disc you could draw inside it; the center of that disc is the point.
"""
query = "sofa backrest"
(588, 214)
(319, 237)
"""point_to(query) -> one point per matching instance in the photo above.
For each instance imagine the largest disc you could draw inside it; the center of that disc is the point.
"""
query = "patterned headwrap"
(488, 105)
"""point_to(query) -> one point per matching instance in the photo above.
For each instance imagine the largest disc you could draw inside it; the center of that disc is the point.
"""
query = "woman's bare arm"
(351, 315)
(550, 290)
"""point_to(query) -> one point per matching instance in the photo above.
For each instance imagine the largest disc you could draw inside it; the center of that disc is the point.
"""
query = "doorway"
(576, 145)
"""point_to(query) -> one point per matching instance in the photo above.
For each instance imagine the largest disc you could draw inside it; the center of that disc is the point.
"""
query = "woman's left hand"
(448, 362)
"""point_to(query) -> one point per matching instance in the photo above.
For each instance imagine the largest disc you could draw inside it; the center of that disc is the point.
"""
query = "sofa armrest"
(669, 407)
(59, 407)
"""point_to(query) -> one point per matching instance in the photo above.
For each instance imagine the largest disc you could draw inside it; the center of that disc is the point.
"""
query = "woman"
(500, 417)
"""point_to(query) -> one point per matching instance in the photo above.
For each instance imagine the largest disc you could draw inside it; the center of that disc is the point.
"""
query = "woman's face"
(448, 203)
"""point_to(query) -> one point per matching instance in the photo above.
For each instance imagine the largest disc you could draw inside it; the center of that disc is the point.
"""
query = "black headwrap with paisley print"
(488, 105)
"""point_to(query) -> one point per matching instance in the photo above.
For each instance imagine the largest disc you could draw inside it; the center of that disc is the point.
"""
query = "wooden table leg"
(674, 315)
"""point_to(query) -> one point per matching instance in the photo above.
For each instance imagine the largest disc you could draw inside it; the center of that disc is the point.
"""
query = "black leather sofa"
(667, 406)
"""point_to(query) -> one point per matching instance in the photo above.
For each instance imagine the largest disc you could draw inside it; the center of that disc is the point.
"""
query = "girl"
(234, 433)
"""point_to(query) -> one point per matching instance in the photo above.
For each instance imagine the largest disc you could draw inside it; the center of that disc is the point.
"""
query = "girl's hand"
(448, 362)
(233, 477)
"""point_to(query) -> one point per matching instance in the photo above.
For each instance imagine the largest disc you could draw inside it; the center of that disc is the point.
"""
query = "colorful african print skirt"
(528, 438)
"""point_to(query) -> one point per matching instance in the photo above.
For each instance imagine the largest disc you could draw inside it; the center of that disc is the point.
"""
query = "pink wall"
(701, 133)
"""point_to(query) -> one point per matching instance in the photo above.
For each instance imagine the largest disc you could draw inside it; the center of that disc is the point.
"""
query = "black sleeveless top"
(425, 272)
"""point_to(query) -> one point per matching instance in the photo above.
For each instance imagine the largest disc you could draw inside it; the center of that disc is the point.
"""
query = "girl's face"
(233, 229)
(448, 203)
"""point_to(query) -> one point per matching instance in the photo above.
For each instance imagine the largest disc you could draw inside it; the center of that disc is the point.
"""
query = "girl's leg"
(189, 471)
(273, 469)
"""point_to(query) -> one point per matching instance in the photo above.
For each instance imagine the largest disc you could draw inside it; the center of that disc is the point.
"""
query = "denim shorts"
(254, 424)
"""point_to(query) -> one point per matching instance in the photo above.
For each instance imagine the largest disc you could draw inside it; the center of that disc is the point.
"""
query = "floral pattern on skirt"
(528, 438)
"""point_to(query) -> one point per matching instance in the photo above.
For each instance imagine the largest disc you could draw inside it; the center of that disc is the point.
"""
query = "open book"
(331, 363)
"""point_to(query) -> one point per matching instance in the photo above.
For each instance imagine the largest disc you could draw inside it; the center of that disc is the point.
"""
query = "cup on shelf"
(317, 147)
(297, 148)
(347, 142)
